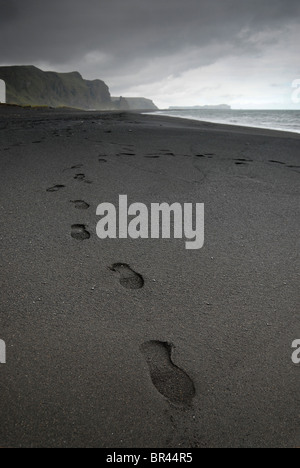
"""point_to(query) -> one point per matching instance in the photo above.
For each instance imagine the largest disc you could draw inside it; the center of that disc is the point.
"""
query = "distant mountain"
(134, 103)
(30, 86)
(219, 106)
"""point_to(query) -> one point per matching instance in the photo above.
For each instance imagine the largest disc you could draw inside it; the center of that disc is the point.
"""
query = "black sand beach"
(195, 350)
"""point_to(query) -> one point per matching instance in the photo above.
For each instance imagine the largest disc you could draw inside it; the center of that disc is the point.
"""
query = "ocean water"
(285, 120)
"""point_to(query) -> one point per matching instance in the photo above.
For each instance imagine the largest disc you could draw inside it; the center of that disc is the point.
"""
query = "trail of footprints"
(79, 232)
(296, 168)
(169, 380)
(247, 161)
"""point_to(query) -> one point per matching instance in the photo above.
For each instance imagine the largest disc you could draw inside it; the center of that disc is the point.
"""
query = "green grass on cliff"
(29, 86)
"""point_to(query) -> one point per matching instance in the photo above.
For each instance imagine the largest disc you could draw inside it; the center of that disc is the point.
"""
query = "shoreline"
(297, 132)
(22, 112)
(10, 108)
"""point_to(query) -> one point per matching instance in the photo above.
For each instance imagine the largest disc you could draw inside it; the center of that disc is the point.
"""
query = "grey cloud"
(8, 11)
(135, 33)
(63, 29)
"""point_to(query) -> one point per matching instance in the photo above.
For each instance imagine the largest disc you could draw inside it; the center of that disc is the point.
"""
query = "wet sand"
(141, 343)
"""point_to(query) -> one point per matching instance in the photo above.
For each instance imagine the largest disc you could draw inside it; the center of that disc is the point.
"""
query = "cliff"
(27, 85)
(134, 103)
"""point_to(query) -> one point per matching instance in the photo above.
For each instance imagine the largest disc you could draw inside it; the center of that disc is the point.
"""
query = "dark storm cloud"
(174, 51)
(8, 11)
(60, 31)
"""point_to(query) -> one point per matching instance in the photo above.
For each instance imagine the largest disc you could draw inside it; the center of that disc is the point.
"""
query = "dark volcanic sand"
(123, 343)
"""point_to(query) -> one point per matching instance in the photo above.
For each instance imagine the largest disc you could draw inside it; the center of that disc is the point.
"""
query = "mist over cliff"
(30, 86)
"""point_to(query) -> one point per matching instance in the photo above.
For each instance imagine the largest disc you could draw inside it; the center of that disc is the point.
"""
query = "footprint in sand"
(276, 162)
(243, 160)
(206, 155)
(171, 381)
(80, 204)
(78, 166)
(129, 279)
(55, 188)
(79, 177)
(79, 232)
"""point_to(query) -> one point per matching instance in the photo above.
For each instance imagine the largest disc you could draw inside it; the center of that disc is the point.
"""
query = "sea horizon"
(269, 119)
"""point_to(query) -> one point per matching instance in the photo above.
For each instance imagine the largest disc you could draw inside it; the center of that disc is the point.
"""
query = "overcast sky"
(176, 52)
